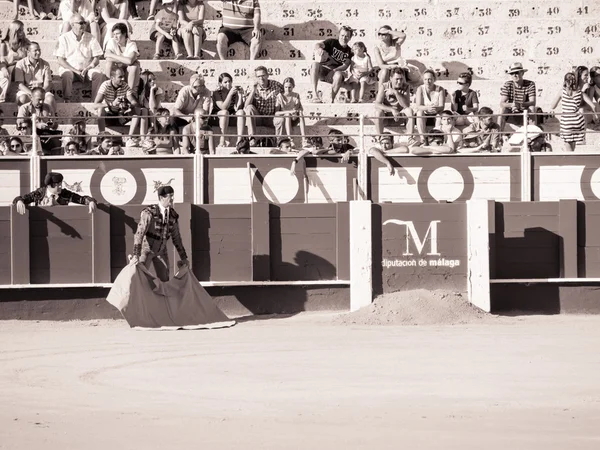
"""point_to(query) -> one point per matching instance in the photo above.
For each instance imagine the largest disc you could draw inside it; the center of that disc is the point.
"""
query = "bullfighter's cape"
(180, 303)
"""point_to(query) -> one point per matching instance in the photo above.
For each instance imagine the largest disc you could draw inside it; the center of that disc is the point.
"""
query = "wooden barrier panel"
(567, 176)
(124, 180)
(419, 246)
(526, 240)
(303, 242)
(15, 172)
(5, 246)
(588, 239)
(65, 245)
(222, 242)
(229, 180)
(455, 178)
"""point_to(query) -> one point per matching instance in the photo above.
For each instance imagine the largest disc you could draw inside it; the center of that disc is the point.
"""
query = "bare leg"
(250, 112)
(240, 124)
(338, 80)
(255, 45)
(222, 45)
(188, 42)
(314, 76)
(224, 125)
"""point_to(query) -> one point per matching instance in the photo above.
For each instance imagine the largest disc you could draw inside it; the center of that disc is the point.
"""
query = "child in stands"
(165, 29)
(205, 143)
(483, 134)
(360, 72)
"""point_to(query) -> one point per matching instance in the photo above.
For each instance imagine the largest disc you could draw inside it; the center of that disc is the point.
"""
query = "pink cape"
(180, 303)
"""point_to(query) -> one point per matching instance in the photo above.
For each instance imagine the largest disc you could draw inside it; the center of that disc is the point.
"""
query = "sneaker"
(150, 17)
(132, 142)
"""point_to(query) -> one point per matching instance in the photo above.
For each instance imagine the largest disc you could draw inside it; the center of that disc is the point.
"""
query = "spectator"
(122, 52)
(191, 31)
(384, 145)
(191, 97)
(360, 72)
(331, 59)
(78, 55)
(14, 147)
(582, 75)
(388, 52)
(242, 147)
(117, 104)
(464, 100)
(204, 144)
(448, 139)
(77, 133)
(32, 72)
(393, 97)
(71, 148)
(162, 135)
(83, 8)
(339, 144)
(429, 102)
(150, 97)
(241, 23)
(261, 101)
(13, 48)
(107, 145)
(46, 125)
(228, 101)
(594, 90)
(165, 29)
(516, 96)
(483, 134)
(536, 141)
(288, 110)
(572, 123)
(5, 149)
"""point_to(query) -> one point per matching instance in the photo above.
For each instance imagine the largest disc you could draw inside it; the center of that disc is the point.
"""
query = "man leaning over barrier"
(157, 224)
(52, 194)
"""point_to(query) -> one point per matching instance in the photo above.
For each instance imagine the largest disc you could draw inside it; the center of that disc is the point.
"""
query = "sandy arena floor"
(302, 382)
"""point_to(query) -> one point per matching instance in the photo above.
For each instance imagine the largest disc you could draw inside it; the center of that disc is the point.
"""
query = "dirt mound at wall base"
(416, 307)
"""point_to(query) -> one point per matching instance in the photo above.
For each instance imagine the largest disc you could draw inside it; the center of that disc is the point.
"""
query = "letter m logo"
(412, 235)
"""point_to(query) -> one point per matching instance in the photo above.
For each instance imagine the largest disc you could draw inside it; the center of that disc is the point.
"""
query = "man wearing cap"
(191, 97)
(157, 224)
(516, 96)
(52, 194)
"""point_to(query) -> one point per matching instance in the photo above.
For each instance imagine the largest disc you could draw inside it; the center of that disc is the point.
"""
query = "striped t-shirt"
(239, 14)
(516, 94)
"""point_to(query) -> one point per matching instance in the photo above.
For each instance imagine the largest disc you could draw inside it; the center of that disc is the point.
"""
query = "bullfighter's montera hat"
(53, 178)
(165, 190)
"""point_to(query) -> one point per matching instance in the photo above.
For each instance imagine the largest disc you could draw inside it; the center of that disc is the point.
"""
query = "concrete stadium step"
(382, 10)
(435, 33)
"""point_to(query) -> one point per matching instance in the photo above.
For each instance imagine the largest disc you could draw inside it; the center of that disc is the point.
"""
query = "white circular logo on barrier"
(595, 183)
(118, 187)
(446, 183)
(279, 186)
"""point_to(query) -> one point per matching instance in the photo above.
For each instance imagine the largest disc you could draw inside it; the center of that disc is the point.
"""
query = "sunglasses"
(383, 34)
(462, 83)
(16, 146)
(83, 22)
(515, 73)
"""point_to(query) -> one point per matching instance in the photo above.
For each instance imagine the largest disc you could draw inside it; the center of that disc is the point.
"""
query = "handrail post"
(34, 165)
(525, 162)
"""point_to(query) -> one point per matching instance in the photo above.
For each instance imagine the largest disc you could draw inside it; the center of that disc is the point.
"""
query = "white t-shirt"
(128, 50)
(78, 53)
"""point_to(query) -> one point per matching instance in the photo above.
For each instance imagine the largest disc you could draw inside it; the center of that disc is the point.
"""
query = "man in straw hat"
(516, 95)
(157, 224)
(52, 194)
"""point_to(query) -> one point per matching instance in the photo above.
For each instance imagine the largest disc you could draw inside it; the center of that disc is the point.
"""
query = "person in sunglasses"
(52, 194)
(387, 53)
(516, 95)
(14, 147)
(464, 100)
(46, 124)
(78, 56)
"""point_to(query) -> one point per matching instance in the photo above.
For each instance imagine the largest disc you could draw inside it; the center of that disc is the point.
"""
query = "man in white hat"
(516, 95)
